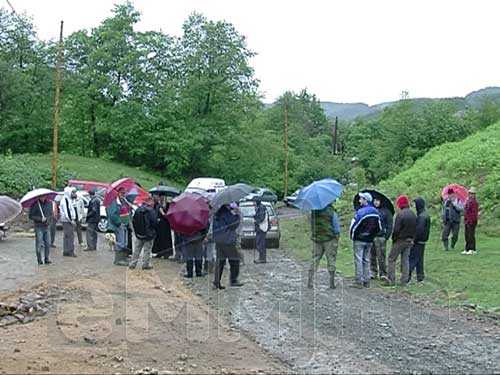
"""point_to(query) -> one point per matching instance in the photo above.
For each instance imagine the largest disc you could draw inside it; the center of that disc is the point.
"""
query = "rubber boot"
(120, 258)
(445, 243)
(332, 280)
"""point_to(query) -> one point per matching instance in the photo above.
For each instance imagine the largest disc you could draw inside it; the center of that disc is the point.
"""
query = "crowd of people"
(147, 230)
(374, 225)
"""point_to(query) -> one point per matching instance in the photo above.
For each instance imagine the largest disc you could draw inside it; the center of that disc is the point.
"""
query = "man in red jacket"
(471, 213)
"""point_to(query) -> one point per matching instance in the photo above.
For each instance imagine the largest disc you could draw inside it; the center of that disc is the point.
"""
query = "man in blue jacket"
(224, 232)
(364, 227)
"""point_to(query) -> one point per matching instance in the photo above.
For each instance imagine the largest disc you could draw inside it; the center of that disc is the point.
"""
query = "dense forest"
(190, 106)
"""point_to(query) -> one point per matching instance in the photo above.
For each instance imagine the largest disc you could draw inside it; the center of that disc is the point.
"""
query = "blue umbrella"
(319, 194)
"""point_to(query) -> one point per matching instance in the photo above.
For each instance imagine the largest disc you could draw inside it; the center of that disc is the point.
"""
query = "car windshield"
(249, 210)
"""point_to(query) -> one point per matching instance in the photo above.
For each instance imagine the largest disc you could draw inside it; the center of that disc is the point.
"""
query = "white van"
(210, 185)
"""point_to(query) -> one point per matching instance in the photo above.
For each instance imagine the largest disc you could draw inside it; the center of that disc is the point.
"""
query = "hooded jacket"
(423, 222)
(67, 210)
(365, 225)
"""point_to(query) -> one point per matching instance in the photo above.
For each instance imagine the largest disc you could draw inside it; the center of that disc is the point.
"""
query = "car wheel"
(103, 225)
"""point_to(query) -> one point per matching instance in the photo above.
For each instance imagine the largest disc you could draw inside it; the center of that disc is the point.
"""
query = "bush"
(21, 173)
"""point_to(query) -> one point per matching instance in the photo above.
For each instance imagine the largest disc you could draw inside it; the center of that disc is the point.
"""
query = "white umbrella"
(9, 209)
(31, 197)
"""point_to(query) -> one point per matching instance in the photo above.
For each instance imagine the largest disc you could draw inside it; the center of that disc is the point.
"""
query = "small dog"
(110, 240)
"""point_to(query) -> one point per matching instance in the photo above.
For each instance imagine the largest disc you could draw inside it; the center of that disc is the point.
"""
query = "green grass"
(450, 277)
(101, 170)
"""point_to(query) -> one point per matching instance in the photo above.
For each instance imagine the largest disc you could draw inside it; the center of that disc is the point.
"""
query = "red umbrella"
(188, 213)
(459, 190)
(128, 184)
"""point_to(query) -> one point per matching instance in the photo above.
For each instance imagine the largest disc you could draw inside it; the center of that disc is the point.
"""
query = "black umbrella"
(233, 193)
(165, 190)
(385, 201)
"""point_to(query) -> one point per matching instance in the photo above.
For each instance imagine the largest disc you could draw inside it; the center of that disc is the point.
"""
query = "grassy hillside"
(473, 161)
(19, 173)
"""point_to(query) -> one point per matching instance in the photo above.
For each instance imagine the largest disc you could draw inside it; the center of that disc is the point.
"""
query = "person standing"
(163, 240)
(68, 217)
(53, 223)
(225, 225)
(378, 251)
(364, 227)
(261, 227)
(41, 215)
(421, 237)
(403, 234)
(79, 207)
(325, 232)
(118, 220)
(93, 217)
(144, 224)
(451, 216)
(471, 215)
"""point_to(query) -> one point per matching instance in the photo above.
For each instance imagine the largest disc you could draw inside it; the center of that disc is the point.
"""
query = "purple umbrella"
(9, 209)
(31, 197)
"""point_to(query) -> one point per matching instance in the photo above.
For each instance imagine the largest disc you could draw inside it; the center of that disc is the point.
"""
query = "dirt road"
(107, 319)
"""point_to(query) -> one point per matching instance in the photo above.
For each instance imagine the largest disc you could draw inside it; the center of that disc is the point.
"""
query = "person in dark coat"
(378, 263)
(163, 240)
(144, 223)
(93, 217)
(403, 234)
(225, 237)
(451, 216)
(421, 237)
(41, 215)
(471, 215)
(261, 227)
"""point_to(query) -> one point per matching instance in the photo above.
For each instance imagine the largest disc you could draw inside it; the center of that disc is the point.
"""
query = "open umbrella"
(385, 201)
(165, 190)
(31, 197)
(319, 194)
(460, 191)
(128, 184)
(9, 209)
(233, 193)
(188, 213)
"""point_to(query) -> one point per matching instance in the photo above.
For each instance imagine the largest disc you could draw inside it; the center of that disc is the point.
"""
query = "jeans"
(362, 261)
(42, 234)
(121, 238)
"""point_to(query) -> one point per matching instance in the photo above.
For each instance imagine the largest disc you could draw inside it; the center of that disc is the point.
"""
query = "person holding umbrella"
(41, 214)
(378, 251)
(365, 225)
(225, 237)
(451, 216)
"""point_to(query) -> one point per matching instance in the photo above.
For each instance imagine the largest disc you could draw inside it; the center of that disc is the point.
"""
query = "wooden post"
(56, 109)
(285, 179)
(335, 127)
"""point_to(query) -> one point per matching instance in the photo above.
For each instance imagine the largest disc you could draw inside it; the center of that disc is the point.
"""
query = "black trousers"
(470, 236)
(230, 253)
(417, 260)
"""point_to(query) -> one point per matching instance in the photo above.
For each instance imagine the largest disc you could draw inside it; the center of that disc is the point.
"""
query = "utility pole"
(56, 109)
(285, 189)
(335, 127)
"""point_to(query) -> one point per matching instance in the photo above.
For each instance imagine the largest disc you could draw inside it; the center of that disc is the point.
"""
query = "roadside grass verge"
(451, 278)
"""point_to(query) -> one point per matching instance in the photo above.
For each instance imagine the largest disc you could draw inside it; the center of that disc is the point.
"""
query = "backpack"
(139, 222)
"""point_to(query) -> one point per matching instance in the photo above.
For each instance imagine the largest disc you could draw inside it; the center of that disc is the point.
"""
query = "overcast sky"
(342, 51)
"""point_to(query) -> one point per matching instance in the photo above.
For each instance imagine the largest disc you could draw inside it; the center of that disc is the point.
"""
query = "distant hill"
(351, 111)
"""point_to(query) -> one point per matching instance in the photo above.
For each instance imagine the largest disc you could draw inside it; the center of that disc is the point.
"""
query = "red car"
(87, 185)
